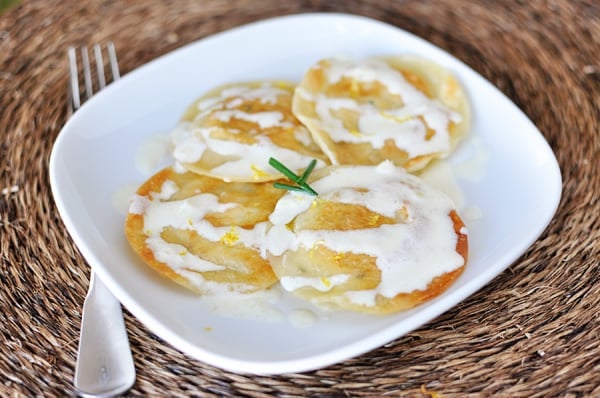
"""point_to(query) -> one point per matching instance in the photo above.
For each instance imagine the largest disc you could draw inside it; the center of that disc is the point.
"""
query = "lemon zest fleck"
(230, 237)
(397, 119)
(373, 220)
(282, 84)
(257, 172)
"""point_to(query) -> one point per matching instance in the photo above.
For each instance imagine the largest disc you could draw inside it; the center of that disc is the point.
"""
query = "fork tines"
(84, 68)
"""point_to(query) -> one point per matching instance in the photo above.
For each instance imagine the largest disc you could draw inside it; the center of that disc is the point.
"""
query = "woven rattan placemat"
(533, 331)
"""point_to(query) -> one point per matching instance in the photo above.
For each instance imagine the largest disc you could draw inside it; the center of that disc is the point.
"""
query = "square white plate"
(94, 157)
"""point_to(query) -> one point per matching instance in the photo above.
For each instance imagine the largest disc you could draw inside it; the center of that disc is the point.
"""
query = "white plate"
(94, 154)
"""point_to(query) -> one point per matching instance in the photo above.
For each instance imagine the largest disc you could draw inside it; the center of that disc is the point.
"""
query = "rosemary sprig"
(301, 181)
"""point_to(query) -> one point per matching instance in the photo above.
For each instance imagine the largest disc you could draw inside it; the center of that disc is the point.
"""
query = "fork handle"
(104, 361)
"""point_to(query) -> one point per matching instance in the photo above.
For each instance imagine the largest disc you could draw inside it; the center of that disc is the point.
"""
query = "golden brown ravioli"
(203, 232)
(375, 240)
(404, 109)
(232, 131)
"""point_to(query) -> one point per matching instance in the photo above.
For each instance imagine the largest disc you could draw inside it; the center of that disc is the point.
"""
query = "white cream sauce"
(473, 167)
(152, 154)
(264, 120)
(121, 198)
(265, 306)
(409, 255)
(402, 125)
(261, 305)
(255, 159)
(470, 164)
(211, 288)
(302, 318)
(186, 146)
(321, 283)
(441, 175)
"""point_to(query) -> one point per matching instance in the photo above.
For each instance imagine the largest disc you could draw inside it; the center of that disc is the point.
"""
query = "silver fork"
(104, 362)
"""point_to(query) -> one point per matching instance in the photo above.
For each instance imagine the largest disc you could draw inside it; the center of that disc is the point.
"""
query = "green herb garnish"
(301, 180)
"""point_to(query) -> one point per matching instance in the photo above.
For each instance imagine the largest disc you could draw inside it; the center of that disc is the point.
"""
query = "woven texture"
(534, 331)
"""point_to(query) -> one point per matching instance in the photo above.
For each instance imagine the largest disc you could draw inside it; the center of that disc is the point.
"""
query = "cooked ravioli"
(203, 232)
(232, 131)
(375, 240)
(404, 109)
